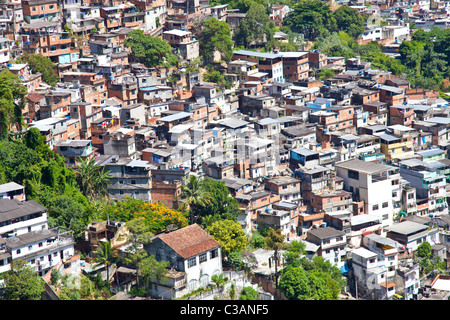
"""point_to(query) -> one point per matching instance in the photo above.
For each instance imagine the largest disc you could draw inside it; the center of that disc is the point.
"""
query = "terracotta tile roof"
(189, 241)
(35, 97)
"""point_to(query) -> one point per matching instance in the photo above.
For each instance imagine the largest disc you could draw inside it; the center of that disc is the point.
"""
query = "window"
(385, 205)
(353, 174)
(213, 253)
(192, 262)
(202, 257)
(375, 207)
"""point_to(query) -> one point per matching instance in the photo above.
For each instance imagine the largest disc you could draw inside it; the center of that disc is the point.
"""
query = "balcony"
(372, 156)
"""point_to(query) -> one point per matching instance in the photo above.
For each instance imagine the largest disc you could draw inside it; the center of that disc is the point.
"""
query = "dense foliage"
(45, 66)
(31, 163)
(229, 234)
(12, 102)
(340, 44)
(426, 58)
(311, 280)
(151, 51)
(22, 283)
(156, 216)
(255, 29)
(215, 35)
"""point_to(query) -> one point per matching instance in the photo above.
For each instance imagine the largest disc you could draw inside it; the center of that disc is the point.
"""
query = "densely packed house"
(342, 164)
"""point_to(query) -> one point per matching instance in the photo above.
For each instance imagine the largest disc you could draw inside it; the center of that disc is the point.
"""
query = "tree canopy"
(43, 65)
(349, 20)
(229, 234)
(220, 204)
(311, 280)
(256, 28)
(312, 18)
(12, 102)
(31, 163)
(216, 35)
(156, 215)
(151, 51)
(22, 282)
(426, 58)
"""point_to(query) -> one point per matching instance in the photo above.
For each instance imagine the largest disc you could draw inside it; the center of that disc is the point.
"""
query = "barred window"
(192, 262)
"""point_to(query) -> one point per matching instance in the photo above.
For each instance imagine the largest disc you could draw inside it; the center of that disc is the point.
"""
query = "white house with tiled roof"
(194, 258)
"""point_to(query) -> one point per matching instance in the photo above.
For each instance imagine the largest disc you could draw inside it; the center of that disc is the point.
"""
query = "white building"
(332, 243)
(372, 183)
(412, 234)
(12, 190)
(192, 253)
(17, 217)
(5, 49)
(42, 249)
(370, 277)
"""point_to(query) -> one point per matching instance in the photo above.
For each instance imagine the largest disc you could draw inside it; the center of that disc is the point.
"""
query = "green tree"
(248, 293)
(151, 51)
(91, 178)
(216, 36)
(69, 213)
(325, 74)
(33, 138)
(194, 196)
(12, 102)
(22, 283)
(221, 204)
(105, 255)
(229, 234)
(424, 250)
(294, 251)
(336, 44)
(256, 28)
(311, 280)
(349, 19)
(152, 270)
(294, 283)
(43, 65)
(312, 18)
(216, 77)
(275, 242)
(412, 54)
(219, 280)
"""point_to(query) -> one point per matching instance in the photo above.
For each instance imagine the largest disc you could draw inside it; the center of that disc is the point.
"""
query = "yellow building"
(396, 147)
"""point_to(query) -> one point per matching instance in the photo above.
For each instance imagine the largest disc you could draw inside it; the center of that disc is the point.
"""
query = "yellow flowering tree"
(229, 234)
(155, 214)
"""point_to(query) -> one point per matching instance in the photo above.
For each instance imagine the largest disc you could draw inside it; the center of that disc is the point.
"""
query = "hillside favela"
(198, 150)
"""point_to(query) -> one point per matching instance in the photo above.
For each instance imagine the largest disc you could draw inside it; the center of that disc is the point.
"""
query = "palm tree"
(85, 173)
(91, 178)
(101, 180)
(105, 255)
(219, 280)
(193, 195)
(275, 241)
